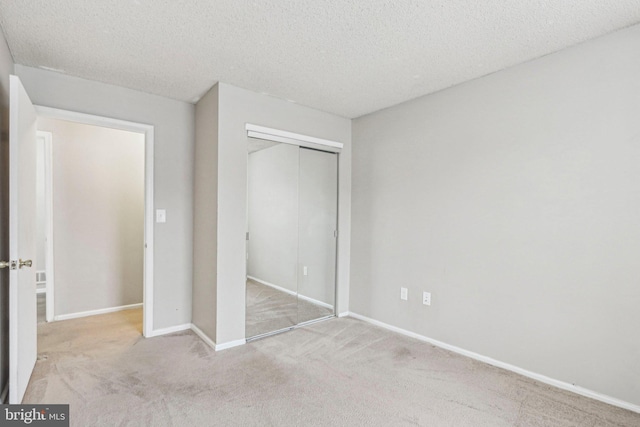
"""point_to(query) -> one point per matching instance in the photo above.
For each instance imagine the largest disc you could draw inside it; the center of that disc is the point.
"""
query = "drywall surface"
(205, 214)
(273, 216)
(6, 68)
(514, 199)
(236, 108)
(98, 216)
(173, 123)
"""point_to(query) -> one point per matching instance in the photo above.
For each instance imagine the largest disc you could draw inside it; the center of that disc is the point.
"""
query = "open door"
(22, 240)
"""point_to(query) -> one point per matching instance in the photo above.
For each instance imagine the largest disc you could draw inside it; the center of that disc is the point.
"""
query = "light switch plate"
(404, 294)
(161, 215)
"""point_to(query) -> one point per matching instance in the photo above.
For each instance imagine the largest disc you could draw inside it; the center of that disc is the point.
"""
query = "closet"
(292, 210)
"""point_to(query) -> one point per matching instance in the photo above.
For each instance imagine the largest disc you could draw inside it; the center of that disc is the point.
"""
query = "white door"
(22, 240)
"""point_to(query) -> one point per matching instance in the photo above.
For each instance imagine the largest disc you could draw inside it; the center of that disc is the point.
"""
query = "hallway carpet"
(341, 372)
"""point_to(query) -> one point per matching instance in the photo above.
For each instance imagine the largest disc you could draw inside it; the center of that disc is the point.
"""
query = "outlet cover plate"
(426, 298)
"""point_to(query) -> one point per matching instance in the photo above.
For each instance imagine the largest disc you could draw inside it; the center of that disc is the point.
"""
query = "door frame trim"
(148, 244)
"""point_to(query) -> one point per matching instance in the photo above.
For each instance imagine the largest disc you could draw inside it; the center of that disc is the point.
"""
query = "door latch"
(11, 265)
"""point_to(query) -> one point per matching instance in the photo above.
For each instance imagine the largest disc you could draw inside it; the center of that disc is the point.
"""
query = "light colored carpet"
(269, 309)
(341, 372)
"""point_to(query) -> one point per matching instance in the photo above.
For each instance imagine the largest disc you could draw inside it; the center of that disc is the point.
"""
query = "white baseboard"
(230, 344)
(96, 312)
(315, 301)
(203, 336)
(212, 344)
(169, 330)
(344, 314)
(271, 285)
(290, 292)
(539, 377)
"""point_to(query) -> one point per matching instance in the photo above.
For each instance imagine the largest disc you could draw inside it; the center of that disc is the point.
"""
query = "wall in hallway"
(98, 216)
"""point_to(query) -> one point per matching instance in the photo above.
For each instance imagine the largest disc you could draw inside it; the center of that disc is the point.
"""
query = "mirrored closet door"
(317, 226)
(291, 236)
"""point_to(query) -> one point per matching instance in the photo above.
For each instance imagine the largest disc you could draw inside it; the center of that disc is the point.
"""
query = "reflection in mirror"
(272, 246)
(291, 240)
(317, 225)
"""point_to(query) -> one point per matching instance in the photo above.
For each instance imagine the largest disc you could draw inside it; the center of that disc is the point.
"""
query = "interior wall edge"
(169, 330)
(204, 337)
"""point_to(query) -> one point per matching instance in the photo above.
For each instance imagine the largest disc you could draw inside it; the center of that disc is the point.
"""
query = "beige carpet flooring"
(341, 372)
(269, 309)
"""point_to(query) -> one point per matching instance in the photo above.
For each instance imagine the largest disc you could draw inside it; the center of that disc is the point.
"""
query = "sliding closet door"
(272, 238)
(292, 213)
(317, 226)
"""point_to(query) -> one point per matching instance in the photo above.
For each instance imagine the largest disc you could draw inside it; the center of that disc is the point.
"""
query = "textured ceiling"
(347, 57)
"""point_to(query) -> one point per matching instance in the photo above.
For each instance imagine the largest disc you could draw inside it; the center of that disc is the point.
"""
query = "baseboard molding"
(539, 377)
(169, 330)
(230, 344)
(290, 292)
(315, 301)
(344, 314)
(271, 285)
(212, 344)
(204, 337)
(96, 312)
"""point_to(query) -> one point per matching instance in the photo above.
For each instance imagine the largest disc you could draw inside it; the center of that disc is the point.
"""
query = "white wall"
(236, 107)
(515, 200)
(173, 123)
(98, 216)
(205, 214)
(6, 68)
(273, 215)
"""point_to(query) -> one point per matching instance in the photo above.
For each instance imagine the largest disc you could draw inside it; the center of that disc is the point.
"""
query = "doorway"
(98, 224)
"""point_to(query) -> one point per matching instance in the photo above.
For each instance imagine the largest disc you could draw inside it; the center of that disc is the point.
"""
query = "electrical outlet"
(426, 298)
(404, 294)
(305, 271)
